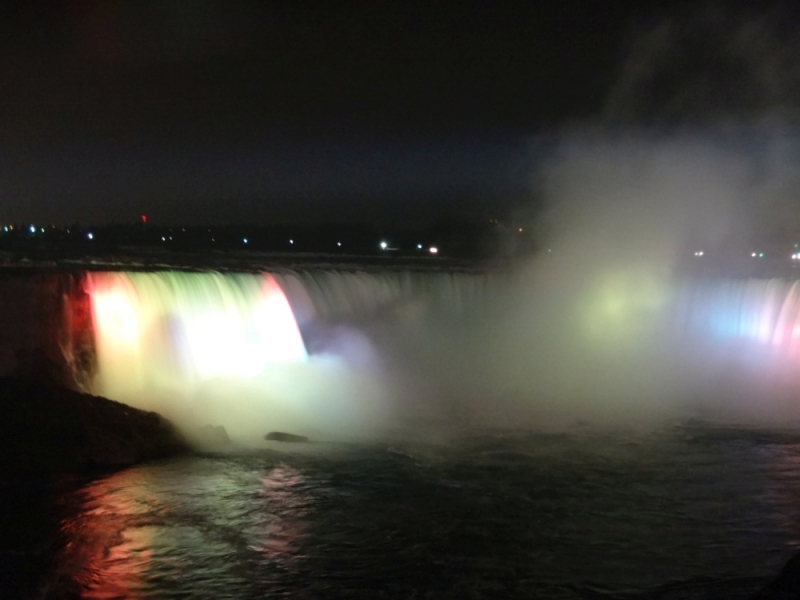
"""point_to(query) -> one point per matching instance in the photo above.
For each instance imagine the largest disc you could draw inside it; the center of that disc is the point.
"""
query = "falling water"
(155, 326)
(763, 311)
(203, 349)
(327, 351)
(208, 348)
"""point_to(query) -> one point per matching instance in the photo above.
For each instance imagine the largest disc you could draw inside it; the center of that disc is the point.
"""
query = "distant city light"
(339, 244)
(163, 239)
(753, 254)
(90, 235)
(5, 228)
(760, 255)
(699, 253)
(144, 218)
(419, 246)
(433, 250)
(33, 229)
(384, 245)
(244, 240)
(42, 228)
(520, 229)
(291, 241)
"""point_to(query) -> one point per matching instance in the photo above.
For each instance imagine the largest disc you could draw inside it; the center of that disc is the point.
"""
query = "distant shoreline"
(53, 257)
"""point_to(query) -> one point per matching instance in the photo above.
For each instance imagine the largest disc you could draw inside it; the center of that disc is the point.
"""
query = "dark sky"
(235, 110)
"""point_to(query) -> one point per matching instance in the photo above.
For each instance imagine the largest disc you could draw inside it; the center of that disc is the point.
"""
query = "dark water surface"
(687, 513)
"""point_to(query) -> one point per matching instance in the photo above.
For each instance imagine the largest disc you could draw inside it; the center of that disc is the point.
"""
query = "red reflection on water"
(283, 521)
(107, 549)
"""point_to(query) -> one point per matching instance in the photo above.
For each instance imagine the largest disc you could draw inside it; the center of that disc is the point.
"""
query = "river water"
(689, 511)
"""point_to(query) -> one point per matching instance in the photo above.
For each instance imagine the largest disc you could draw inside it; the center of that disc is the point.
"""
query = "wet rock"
(280, 436)
(786, 586)
(46, 427)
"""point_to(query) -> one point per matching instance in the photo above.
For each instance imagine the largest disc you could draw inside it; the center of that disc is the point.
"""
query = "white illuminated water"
(199, 325)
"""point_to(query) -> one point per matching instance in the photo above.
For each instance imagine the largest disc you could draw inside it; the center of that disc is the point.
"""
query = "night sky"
(240, 111)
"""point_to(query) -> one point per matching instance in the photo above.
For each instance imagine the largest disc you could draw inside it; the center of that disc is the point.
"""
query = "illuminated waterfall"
(227, 348)
(171, 342)
(152, 326)
(763, 313)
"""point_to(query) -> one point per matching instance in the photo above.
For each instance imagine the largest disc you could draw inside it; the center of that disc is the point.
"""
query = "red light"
(144, 218)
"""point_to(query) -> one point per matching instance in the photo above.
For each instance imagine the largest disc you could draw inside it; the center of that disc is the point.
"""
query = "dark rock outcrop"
(786, 586)
(46, 427)
(279, 436)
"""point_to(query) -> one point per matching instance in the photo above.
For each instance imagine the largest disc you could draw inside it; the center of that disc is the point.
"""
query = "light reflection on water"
(282, 521)
(107, 554)
(136, 533)
(518, 516)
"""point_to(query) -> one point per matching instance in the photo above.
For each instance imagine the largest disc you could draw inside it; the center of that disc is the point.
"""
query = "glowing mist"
(213, 349)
